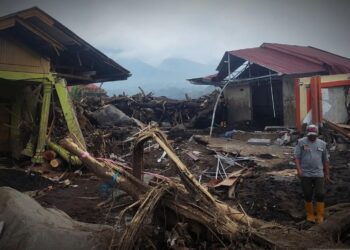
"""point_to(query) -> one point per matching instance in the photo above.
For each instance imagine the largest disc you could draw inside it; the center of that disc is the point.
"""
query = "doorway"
(267, 107)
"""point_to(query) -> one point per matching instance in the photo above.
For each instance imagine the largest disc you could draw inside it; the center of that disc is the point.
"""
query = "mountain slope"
(168, 78)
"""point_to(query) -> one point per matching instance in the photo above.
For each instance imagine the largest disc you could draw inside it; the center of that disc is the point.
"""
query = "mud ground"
(269, 193)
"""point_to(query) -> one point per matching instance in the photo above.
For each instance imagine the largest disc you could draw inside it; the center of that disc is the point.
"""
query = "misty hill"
(167, 79)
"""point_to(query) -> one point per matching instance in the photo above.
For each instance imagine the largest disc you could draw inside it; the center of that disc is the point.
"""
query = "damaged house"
(39, 57)
(282, 85)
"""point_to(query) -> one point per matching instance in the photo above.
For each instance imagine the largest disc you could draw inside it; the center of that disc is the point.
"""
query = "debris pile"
(192, 113)
(107, 122)
(337, 135)
(172, 210)
(157, 193)
(201, 219)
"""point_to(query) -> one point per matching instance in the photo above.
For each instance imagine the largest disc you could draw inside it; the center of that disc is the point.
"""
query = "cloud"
(199, 30)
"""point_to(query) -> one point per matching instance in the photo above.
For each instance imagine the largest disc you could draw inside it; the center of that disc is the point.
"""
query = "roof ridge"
(296, 54)
(307, 46)
(344, 57)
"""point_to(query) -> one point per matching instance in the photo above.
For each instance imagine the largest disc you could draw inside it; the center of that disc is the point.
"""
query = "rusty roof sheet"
(205, 80)
(286, 59)
(293, 59)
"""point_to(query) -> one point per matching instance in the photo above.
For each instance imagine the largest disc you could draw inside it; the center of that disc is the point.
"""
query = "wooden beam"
(337, 128)
(41, 34)
(7, 23)
(79, 77)
(38, 14)
(24, 76)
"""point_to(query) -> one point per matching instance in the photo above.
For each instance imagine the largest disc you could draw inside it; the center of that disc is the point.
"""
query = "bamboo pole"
(64, 154)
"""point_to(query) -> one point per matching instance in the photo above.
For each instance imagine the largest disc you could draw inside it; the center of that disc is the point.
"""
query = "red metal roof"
(92, 86)
(292, 59)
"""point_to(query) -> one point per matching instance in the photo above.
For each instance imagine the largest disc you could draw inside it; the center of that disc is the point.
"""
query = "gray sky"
(198, 30)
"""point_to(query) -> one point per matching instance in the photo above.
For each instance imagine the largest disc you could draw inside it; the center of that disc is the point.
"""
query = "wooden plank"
(337, 128)
(46, 37)
(346, 126)
(192, 156)
(7, 23)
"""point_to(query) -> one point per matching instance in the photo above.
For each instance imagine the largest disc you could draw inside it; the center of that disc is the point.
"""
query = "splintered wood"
(190, 201)
(146, 208)
(194, 205)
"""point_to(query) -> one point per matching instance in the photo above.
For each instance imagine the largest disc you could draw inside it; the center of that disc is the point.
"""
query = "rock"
(109, 115)
(30, 226)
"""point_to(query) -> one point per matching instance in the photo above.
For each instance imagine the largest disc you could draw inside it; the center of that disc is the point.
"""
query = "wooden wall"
(15, 56)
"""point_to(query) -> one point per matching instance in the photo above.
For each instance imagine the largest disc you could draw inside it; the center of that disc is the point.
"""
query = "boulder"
(27, 225)
(109, 115)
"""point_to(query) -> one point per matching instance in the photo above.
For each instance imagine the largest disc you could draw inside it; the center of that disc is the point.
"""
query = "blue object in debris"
(107, 187)
(229, 134)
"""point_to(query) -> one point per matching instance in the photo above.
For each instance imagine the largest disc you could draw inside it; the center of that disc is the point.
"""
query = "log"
(195, 203)
(49, 155)
(55, 163)
(64, 154)
(336, 223)
(136, 189)
(164, 108)
(193, 186)
(337, 128)
(223, 221)
(119, 176)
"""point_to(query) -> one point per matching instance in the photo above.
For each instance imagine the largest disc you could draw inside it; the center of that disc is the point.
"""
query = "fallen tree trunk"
(117, 175)
(191, 183)
(136, 189)
(217, 217)
(194, 204)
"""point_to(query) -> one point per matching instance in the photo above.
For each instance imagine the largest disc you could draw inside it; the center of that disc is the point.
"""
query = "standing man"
(311, 159)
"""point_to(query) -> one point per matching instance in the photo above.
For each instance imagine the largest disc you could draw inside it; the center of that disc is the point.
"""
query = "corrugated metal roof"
(70, 56)
(292, 59)
(204, 80)
(280, 58)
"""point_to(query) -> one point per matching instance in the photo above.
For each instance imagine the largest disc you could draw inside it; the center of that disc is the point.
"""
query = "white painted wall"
(333, 105)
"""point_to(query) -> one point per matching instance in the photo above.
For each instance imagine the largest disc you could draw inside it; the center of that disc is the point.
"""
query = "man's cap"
(312, 130)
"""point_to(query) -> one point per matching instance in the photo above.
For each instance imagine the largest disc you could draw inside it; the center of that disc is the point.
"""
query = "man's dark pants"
(311, 185)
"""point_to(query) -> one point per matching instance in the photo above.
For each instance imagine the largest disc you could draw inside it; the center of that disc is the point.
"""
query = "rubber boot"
(320, 212)
(310, 216)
